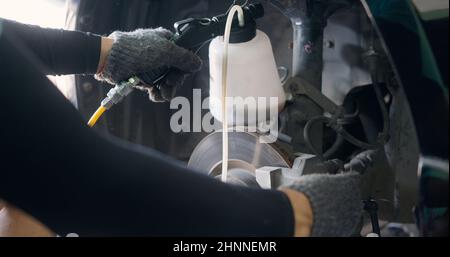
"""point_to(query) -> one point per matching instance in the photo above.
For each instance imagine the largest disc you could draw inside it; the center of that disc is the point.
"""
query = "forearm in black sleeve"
(59, 51)
(61, 172)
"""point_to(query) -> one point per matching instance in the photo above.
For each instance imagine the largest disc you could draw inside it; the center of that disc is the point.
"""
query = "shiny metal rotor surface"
(246, 153)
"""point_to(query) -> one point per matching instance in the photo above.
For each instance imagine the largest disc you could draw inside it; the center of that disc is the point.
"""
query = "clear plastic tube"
(226, 40)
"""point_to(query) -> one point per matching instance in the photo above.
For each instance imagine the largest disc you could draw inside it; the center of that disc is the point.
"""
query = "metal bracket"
(299, 86)
(274, 177)
(268, 177)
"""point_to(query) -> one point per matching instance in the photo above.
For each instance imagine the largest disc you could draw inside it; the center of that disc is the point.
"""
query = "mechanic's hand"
(144, 50)
(335, 201)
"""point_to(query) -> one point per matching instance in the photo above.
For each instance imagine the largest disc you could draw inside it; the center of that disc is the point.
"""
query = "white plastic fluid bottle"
(252, 79)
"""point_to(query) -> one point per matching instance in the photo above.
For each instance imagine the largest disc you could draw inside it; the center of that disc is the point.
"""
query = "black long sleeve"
(75, 181)
(59, 51)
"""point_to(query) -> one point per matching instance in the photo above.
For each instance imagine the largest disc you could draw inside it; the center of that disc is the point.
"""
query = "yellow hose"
(96, 116)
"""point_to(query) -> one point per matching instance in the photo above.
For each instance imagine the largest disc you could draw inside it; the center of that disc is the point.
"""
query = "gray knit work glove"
(335, 201)
(144, 50)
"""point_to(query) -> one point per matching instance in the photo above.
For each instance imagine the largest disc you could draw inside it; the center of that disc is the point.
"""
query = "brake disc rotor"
(246, 154)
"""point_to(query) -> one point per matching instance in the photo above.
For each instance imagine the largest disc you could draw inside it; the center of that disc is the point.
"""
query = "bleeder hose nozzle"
(119, 92)
(114, 96)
